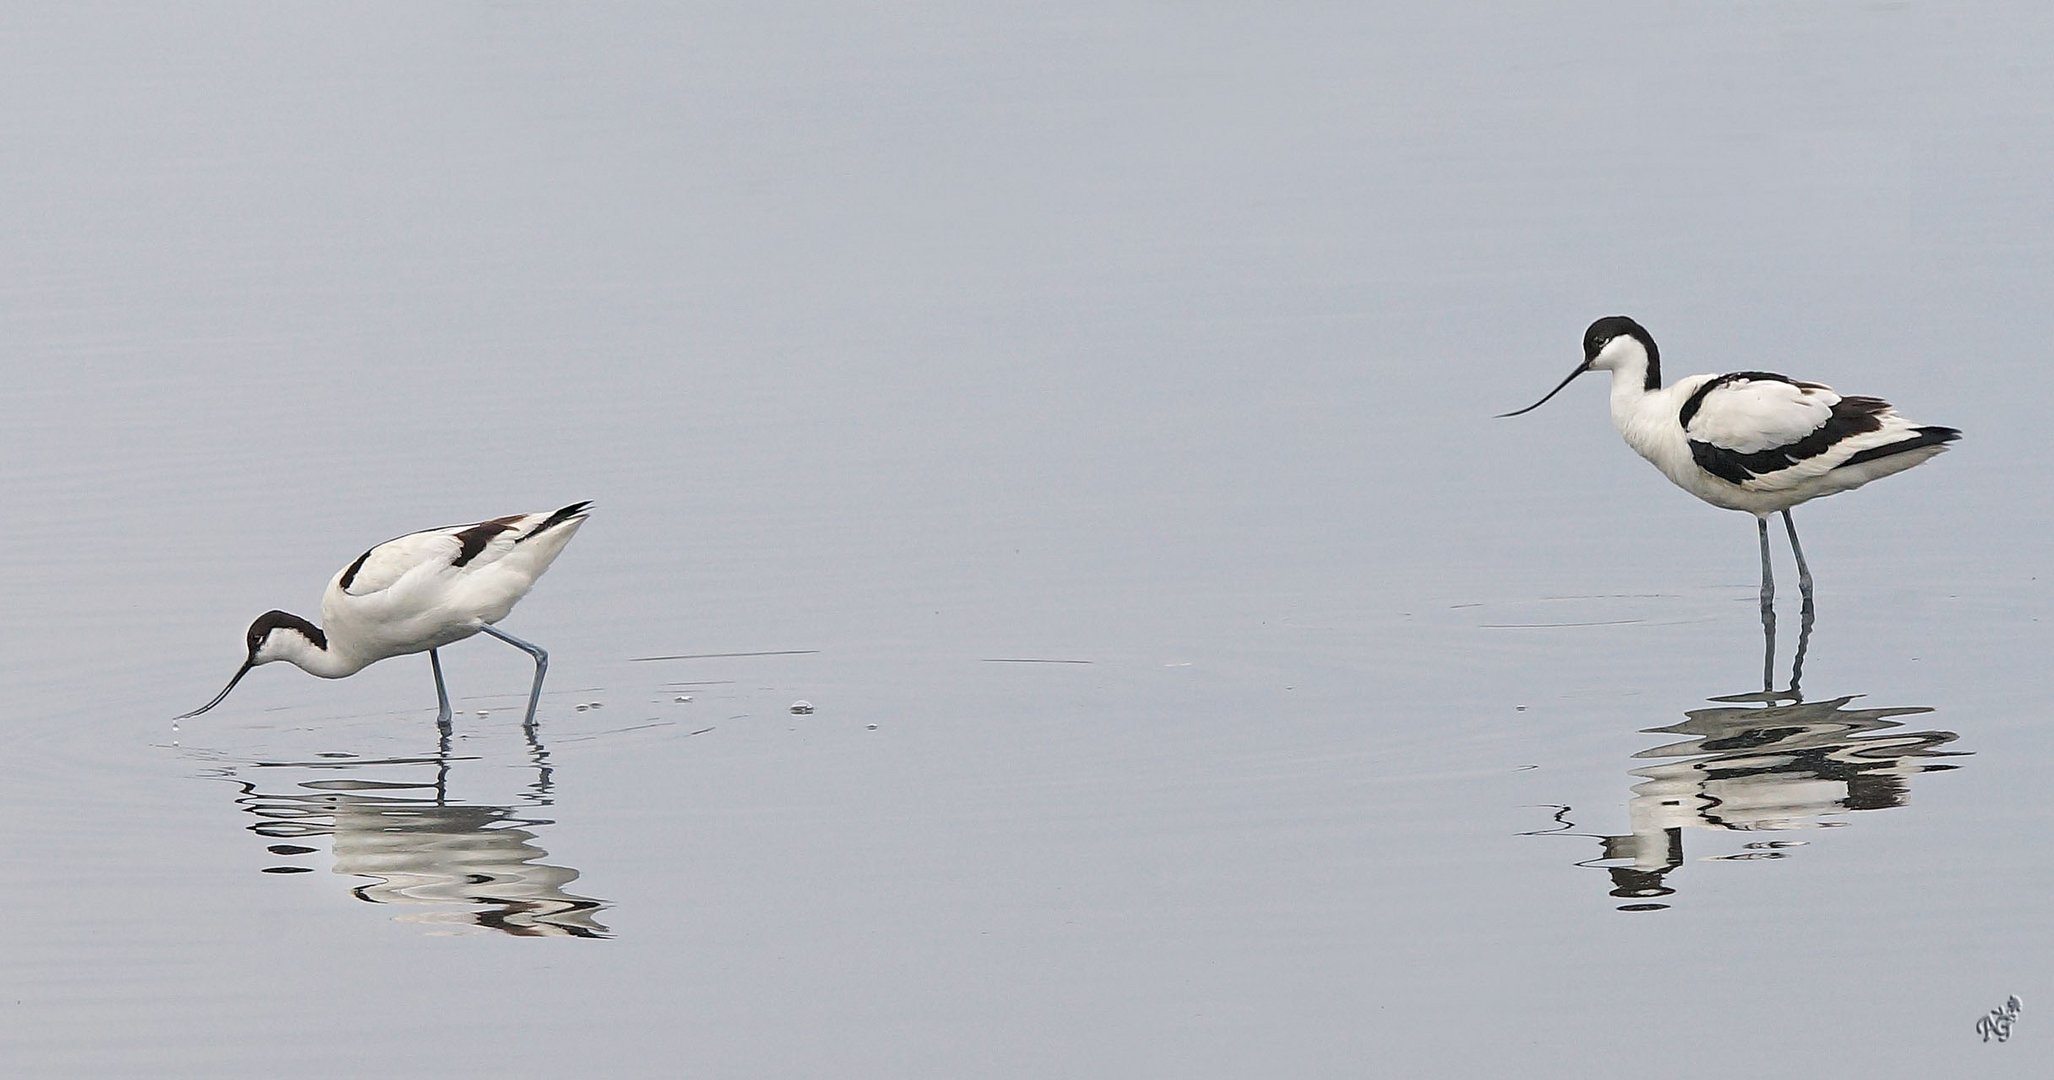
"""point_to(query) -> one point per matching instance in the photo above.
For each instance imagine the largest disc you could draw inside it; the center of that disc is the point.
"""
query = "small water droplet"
(870, 727)
(802, 708)
(682, 698)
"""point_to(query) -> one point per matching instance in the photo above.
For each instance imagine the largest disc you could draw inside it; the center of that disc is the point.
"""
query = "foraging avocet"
(1749, 440)
(419, 592)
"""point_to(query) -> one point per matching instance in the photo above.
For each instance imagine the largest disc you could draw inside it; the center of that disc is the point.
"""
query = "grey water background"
(899, 346)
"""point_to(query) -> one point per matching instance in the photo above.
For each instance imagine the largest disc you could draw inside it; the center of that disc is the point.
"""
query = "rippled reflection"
(460, 865)
(1768, 762)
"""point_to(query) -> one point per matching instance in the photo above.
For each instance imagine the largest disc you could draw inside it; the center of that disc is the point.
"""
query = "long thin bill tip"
(1549, 396)
(1523, 412)
(218, 698)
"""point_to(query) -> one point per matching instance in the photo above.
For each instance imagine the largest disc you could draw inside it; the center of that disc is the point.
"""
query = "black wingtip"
(575, 509)
(1929, 435)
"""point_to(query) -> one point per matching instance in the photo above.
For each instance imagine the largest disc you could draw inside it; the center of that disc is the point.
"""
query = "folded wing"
(1767, 432)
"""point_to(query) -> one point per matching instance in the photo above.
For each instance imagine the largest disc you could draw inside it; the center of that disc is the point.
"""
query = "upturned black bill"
(218, 698)
(1580, 369)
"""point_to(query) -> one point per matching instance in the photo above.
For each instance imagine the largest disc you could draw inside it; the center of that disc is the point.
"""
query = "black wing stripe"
(1851, 416)
(1697, 397)
(350, 575)
(471, 541)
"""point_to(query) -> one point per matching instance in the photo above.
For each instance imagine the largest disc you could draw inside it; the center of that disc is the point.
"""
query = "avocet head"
(1611, 343)
(275, 635)
(1616, 341)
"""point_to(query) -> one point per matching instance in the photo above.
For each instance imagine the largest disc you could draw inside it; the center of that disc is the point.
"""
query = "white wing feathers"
(435, 551)
(382, 566)
(1767, 433)
(1748, 415)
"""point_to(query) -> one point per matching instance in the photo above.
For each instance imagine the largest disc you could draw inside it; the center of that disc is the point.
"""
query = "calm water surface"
(1086, 409)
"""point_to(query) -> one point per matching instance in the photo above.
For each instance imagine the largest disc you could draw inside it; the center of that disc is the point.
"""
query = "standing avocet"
(1749, 440)
(419, 592)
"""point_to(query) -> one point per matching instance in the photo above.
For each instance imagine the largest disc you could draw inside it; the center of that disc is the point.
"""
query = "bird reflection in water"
(464, 865)
(1759, 762)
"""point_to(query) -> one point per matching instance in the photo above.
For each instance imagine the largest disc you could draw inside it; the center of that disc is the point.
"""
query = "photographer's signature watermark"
(1996, 1024)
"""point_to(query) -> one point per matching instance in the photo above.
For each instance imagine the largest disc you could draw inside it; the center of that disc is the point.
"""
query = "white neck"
(1628, 363)
(1629, 388)
(1646, 419)
(313, 659)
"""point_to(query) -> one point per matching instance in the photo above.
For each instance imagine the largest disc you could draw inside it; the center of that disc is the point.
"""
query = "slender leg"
(541, 665)
(442, 737)
(441, 691)
(1768, 649)
(1804, 573)
(1804, 638)
(1761, 526)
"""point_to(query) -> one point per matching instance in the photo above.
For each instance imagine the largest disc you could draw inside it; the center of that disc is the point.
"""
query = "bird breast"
(1647, 420)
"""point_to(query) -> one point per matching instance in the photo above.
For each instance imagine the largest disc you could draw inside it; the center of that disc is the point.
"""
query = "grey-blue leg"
(1761, 527)
(1768, 649)
(441, 691)
(1804, 573)
(1804, 638)
(541, 665)
(1768, 610)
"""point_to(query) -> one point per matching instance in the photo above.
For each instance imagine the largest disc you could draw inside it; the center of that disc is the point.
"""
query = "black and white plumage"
(1749, 440)
(417, 593)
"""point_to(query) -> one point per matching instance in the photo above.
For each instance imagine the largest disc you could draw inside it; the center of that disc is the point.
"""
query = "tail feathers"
(1922, 437)
(574, 510)
(1940, 434)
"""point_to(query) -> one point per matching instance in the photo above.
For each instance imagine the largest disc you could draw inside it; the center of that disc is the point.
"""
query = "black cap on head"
(273, 620)
(259, 631)
(1611, 326)
(1604, 330)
